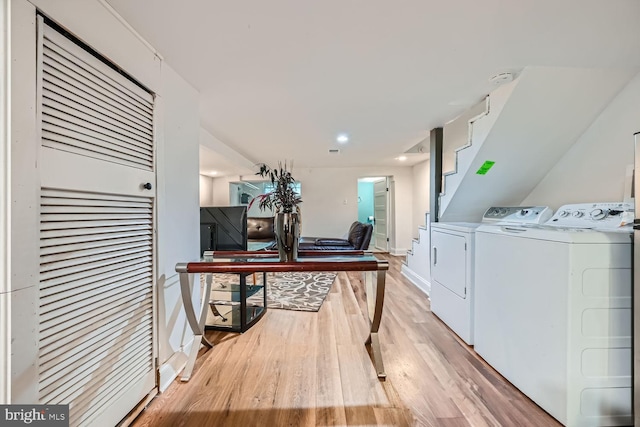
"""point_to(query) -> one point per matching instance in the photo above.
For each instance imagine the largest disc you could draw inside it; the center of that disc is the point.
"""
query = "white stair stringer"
(417, 265)
(478, 129)
(531, 124)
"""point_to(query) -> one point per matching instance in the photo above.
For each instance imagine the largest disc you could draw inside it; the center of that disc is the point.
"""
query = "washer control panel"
(599, 216)
(518, 214)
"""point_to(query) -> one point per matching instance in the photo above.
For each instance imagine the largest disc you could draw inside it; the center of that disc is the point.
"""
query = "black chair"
(358, 239)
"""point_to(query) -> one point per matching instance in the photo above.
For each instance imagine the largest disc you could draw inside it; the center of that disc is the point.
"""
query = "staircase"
(417, 265)
(525, 127)
(528, 125)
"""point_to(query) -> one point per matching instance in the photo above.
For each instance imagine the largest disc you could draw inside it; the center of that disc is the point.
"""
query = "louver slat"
(66, 198)
(70, 252)
(87, 356)
(109, 391)
(81, 270)
(117, 86)
(121, 209)
(51, 315)
(54, 136)
(103, 367)
(86, 112)
(57, 349)
(59, 98)
(100, 241)
(73, 312)
(46, 226)
(84, 283)
(81, 216)
(66, 108)
(63, 139)
(87, 259)
(57, 73)
(52, 237)
(102, 315)
(72, 124)
(63, 283)
(55, 82)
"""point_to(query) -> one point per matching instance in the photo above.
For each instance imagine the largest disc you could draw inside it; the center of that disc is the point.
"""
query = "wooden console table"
(268, 262)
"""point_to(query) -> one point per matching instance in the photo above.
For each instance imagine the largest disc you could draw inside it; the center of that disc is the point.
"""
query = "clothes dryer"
(452, 264)
(553, 311)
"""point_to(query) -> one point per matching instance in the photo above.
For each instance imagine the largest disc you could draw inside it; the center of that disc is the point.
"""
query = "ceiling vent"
(334, 151)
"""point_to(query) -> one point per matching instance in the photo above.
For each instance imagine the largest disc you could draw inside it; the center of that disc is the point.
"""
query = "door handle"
(435, 255)
(147, 186)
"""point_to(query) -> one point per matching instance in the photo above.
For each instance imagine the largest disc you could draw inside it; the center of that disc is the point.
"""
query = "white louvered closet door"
(96, 303)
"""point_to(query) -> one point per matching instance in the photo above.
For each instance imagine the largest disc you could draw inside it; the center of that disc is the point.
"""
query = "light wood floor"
(312, 369)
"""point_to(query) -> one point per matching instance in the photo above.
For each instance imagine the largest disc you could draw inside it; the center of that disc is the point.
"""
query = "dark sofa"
(260, 229)
(261, 232)
(358, 238)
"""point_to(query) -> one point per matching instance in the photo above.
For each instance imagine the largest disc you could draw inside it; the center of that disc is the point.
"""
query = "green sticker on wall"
(485, 167)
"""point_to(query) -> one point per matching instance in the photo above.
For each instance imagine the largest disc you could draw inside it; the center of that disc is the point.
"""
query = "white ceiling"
(280, 79)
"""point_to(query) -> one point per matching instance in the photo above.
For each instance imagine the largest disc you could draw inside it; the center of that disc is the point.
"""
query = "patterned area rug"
(300, 291)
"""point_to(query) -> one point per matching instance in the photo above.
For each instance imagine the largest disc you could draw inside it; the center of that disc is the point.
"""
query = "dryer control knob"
(564, 214)
(578, 214)
(598, 214)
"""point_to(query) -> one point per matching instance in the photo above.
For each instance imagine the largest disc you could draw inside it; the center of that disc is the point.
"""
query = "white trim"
(418, 281)
(171, 368)
(398, 251)
(5, 196)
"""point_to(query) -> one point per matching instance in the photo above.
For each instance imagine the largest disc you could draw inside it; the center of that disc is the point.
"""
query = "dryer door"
(449, 261)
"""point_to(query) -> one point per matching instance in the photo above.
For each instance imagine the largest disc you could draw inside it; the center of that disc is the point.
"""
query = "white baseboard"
(420, 282)
(398, 251)
(171, 368)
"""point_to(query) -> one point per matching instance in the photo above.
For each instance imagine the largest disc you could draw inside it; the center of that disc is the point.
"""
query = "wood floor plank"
(312, 369)
(329, 399)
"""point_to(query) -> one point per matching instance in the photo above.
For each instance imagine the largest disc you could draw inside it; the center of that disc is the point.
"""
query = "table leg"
(243, 302)
(375, 315)
(196, 323)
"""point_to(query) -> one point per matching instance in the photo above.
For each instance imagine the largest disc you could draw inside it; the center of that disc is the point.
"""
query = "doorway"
(373, 208)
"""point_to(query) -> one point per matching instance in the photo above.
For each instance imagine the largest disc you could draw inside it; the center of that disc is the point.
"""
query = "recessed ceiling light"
(342, 138)
(402, 158)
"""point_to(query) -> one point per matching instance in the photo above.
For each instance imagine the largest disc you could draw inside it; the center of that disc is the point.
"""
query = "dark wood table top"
(268, 261)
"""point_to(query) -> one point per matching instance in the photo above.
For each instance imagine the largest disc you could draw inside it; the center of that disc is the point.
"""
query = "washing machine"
(452, 264)
(553, 311)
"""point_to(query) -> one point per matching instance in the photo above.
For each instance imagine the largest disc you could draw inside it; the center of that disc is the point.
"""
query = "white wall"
(5, 194)
(221, 190)
(594, 168)
(325, 190)
(178, 213)
(24, 205)
(421, 191)
(206, 190)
